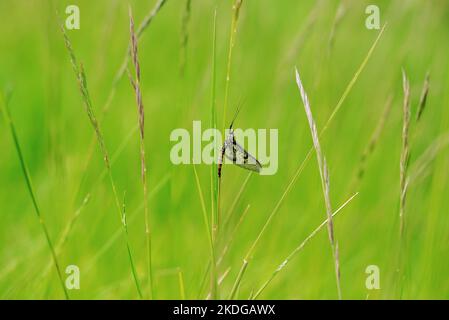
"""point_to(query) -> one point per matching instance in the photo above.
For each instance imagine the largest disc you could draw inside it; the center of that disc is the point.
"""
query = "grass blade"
(184, 36)
(423, 97)
(354, 79)
(299, 248)
(132, 217)
(213, 176)
(30, 188)
(235, 17)
(182, 290)
(214, 286)
(66, 233)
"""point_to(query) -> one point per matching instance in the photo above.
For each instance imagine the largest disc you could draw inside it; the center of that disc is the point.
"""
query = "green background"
(272, 38)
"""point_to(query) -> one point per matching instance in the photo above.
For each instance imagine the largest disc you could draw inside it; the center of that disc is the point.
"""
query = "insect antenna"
(223, 149)
(239, 107)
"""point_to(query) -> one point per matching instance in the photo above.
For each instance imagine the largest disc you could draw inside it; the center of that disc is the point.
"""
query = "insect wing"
(240, 157)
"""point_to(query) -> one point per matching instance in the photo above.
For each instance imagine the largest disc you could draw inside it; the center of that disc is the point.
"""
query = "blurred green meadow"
(328, 42)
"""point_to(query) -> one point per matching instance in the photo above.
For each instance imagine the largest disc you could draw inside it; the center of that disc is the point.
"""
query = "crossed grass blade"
(82, 83)
(304, 162)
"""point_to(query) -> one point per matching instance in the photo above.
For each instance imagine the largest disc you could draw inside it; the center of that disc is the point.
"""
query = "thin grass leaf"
(72, 221)
(354, 79)
(214, 286)
(299, 248)
(236, 200)
(184, 36)
(225, 249)
(235, 17)
(132, 217)
(27, 176)
(66, 233)
(182, 290)
(423, 97)
(220, 280)
(131, 259)
(230, 238)
(341, 11)
(422, 163)
(213, 123)
(238, 280)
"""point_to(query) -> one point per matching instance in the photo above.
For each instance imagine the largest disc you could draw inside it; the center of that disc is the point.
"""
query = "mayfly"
(236, 153)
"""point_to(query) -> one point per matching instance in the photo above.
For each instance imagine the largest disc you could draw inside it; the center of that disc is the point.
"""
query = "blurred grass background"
(272, 38)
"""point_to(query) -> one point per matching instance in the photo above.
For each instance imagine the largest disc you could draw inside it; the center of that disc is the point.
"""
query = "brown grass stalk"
(143, 167)
(403, 180)
(140, 30)
(405, 152)
(119, 74)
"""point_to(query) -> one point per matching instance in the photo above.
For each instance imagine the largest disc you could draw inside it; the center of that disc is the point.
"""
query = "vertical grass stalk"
(403, 179)
(214, 188)
(405, 153)
(182, 290)
(213, 271)
(235, 16)
(324, 174)
(143, 168)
